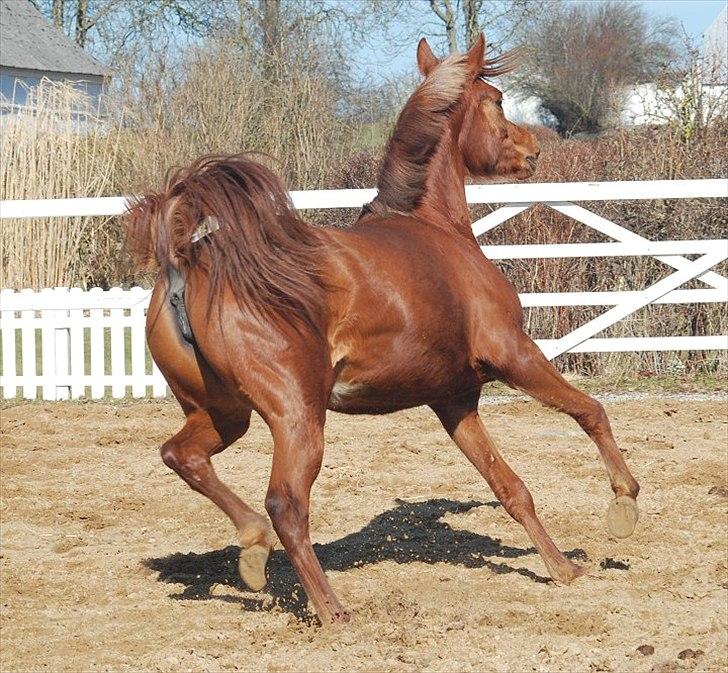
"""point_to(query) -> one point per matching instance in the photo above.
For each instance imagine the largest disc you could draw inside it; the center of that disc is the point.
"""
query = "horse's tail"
(232, 217)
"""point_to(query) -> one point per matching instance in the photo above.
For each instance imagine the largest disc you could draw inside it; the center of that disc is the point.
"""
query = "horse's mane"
(420, 127)
(261, 251)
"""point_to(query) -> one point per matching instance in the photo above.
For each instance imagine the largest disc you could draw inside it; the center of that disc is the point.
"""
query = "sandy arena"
(110, 563)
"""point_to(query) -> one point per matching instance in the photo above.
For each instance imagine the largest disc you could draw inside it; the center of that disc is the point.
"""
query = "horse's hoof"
(622, 516)
(567, 572)
(251, 565)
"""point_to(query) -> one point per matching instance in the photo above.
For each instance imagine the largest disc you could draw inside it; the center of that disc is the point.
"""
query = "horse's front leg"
(530, 371)
(463, 424)
(297, 454)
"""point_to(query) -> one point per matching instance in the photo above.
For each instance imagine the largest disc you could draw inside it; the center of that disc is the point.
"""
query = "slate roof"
(28, 41)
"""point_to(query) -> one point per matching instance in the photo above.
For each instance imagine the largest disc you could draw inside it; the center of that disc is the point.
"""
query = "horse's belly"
(354, 396)
(357, 398)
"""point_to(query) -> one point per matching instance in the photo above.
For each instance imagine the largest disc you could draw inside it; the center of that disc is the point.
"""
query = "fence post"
(62, 338)
(159, 383)
(27, 349)
(97, 346)
(7, 333)
(77, 337)
(48, 344)
(138, 344)
(118, 361)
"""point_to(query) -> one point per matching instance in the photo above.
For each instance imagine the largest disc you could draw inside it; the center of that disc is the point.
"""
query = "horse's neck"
(444, 198)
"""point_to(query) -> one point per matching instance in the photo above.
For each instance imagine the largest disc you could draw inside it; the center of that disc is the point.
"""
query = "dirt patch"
(109, 562)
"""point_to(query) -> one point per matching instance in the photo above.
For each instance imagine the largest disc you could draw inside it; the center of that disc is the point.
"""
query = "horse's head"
(490, 144)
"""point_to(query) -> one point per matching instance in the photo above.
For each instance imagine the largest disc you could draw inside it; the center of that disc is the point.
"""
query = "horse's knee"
(287, 512)
(591, 416)
(280, 505)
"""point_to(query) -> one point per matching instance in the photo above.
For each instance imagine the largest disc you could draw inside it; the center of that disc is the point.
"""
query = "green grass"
(624, 383)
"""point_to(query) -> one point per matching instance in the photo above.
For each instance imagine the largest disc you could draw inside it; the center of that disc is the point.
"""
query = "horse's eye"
(499, 103)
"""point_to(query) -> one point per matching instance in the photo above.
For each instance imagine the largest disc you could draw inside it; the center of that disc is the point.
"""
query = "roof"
(30, 42)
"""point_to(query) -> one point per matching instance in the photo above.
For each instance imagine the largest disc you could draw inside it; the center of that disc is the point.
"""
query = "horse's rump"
(262, 251)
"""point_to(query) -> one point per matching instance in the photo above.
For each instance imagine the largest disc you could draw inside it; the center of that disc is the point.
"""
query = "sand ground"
(108, 562)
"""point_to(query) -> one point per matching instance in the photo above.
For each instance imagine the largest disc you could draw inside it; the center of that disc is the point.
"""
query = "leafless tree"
(689, 95)
(57, 13)
(120, 32)
(463, 20)
(581, 55)
(108, 27)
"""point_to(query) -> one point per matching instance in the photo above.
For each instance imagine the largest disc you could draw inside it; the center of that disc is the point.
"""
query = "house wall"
(715, 50)
(14, 84)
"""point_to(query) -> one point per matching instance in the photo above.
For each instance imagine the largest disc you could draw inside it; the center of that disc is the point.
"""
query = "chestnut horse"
(398, 311)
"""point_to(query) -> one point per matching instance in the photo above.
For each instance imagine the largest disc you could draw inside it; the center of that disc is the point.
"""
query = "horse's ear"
(476, 53)
(426, 60)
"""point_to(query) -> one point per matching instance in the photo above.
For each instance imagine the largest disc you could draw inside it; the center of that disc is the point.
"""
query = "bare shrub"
(690, 97)
(223, 104)
(581, 54)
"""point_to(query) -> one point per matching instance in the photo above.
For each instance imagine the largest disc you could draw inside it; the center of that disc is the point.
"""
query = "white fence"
(71, 343)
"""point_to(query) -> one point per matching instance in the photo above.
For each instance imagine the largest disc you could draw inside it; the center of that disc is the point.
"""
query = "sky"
(378, 64)
(695, 15)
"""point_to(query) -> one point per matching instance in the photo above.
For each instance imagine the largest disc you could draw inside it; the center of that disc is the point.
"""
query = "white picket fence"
(70, 343)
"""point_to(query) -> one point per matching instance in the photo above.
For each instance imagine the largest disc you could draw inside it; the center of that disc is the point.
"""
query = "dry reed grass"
(58, 146)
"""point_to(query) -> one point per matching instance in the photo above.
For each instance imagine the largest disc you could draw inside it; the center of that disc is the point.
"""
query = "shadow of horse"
(410, 532)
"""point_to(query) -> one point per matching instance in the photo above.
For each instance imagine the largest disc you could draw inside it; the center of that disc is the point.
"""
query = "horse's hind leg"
(215, 419)
(188, 454)
(530, 371)
(297, 454)
(463, 424)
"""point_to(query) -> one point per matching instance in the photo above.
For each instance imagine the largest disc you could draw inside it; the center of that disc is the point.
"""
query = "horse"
(400, 310)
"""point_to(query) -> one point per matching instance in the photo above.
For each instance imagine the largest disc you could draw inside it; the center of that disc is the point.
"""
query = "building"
(32, 49)
(715, 50)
